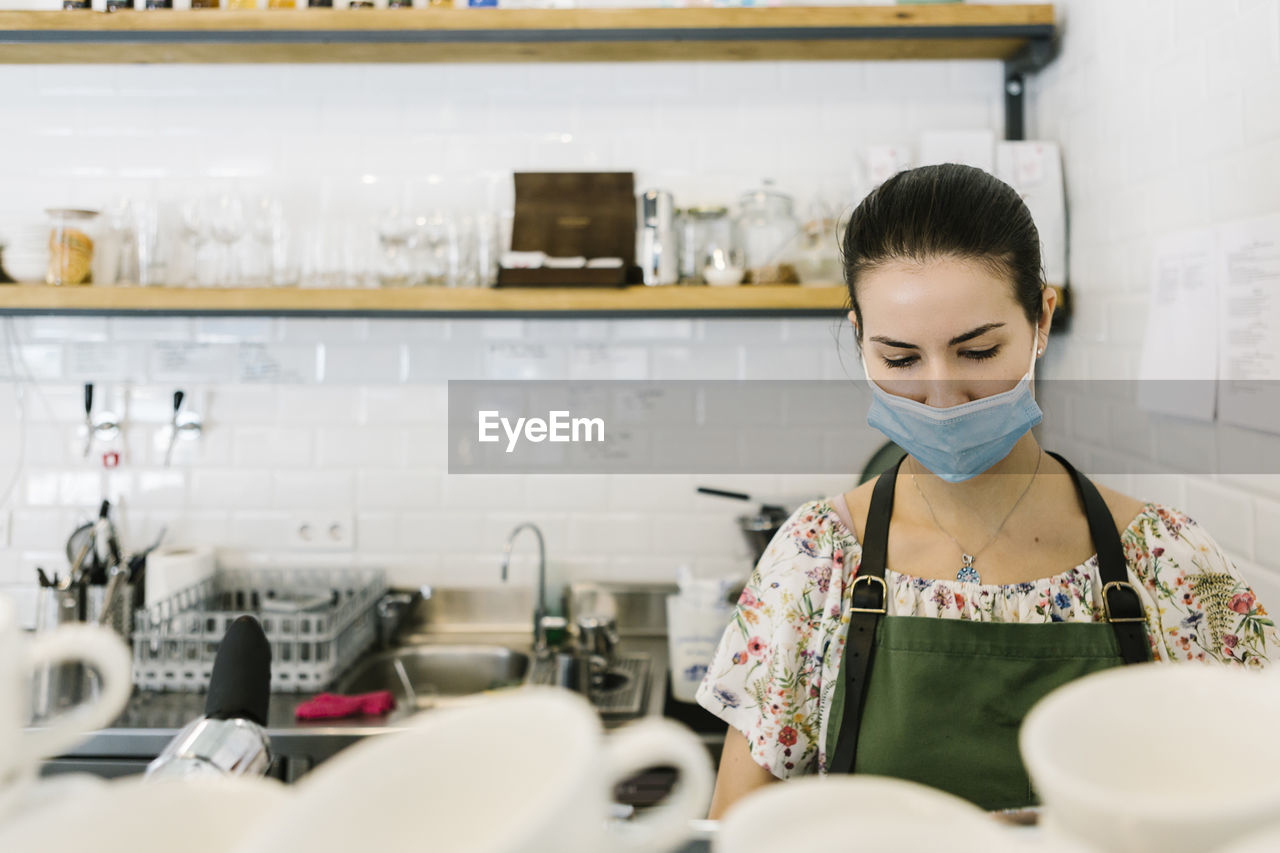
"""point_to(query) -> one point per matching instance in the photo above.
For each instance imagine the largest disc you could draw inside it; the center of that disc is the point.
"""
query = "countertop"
(151, 720)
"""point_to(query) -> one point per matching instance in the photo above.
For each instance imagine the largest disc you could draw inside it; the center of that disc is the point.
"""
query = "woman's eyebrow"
(958, 339)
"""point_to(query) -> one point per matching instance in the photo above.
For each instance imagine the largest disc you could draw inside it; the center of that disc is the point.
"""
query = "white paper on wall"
(882, 163)
(1034, 169)
(1249, 324)
(1180, 350)
(970, 147)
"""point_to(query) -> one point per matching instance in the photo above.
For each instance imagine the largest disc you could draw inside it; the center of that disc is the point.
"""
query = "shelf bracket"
(1037, 53)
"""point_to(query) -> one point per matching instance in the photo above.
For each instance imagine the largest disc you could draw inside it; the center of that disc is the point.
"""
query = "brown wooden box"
(567, 214)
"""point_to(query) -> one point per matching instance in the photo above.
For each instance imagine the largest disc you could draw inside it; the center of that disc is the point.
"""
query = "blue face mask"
(958, 442)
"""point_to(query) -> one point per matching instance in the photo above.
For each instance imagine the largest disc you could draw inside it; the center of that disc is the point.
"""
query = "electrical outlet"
(322, 531)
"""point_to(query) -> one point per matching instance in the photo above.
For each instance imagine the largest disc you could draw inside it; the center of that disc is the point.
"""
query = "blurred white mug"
(517, 770)
(868, 814)
(1162, 757)
(20, 658)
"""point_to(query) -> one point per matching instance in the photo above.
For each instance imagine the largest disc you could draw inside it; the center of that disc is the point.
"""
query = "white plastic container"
(693, 632)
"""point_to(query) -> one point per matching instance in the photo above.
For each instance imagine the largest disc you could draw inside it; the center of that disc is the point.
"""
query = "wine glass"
(227, 225)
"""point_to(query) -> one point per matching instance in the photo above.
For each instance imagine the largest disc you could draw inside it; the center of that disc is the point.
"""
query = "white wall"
(1169, 118)
(1165, 120)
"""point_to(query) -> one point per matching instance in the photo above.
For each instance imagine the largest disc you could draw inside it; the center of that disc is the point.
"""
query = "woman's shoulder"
(1156, 524)
(1171, 553)
(1204, 608)
(1125, 511)
(810, 548)
(857, 501)
(1150, 529)
(815, 529)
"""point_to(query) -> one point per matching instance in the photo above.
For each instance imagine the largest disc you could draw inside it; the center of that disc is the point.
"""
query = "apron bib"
(942, 700)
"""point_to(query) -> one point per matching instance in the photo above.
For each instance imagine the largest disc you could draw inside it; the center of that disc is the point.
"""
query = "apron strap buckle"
(868, 600)
(1128, 603)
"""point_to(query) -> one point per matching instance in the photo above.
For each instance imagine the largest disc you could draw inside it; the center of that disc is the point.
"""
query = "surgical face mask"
(958, 442)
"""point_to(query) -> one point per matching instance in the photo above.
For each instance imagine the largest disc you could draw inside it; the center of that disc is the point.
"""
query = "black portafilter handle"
(240, 686)
(722, 493)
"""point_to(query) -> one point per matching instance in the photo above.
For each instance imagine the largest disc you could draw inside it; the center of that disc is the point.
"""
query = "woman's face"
(946, 331)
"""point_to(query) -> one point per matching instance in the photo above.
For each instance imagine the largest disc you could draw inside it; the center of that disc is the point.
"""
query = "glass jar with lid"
(817, 257)
(702, 230)
(72, 234)
(768, 227)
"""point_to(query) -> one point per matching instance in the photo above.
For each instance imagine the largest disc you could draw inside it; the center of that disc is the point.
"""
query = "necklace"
(968, 572)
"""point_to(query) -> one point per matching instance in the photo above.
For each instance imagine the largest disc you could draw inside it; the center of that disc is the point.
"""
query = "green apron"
(945, 698)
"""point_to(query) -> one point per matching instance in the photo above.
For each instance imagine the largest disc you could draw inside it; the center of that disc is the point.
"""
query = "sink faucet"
(539, 606)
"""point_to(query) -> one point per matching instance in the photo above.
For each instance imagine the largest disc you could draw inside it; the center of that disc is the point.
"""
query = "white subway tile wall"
(1190, 141)
(1168, 115)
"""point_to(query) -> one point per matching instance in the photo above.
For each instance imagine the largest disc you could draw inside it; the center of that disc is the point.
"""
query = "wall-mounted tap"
(180, 423)
(105, 427)
(88, 418)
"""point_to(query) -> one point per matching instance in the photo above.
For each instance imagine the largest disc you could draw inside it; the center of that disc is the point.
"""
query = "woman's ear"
(853, 318)
(1048, 302)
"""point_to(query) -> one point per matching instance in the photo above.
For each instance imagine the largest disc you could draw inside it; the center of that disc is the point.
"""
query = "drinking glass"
(227, 225)
(267, 241)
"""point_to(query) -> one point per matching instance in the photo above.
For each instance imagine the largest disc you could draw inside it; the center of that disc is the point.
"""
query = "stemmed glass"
(267, 249)
(195, 235)
(397, 238)
(227, 224)
(438, 247)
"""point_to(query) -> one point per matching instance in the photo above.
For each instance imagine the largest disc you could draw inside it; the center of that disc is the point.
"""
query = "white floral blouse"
(773, 672)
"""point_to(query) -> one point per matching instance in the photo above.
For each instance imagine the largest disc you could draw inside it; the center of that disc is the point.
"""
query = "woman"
(981, 561)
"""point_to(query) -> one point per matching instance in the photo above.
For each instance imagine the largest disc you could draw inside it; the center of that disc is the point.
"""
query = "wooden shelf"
(942, 31)
(808, 300)
(746, 300)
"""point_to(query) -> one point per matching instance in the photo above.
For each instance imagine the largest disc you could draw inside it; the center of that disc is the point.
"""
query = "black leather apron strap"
(868, 601)
(1121, 605)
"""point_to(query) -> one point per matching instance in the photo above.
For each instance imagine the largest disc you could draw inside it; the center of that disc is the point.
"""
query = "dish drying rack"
(318, 622)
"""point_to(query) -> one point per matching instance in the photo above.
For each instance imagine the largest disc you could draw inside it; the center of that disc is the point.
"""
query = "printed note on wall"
(1180, 352)
(1249, 324)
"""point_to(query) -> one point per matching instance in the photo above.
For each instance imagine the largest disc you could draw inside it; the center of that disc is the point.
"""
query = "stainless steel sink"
(426, 675)
(434, 674)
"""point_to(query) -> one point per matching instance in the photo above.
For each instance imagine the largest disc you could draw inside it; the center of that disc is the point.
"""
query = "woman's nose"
(944, 393)
(941, 390)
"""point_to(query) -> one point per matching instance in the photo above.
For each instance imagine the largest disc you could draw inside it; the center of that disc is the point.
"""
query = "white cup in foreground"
(1263, 841)
(1162, 757)
(520, 770)
(202, 814)
(20, 658)
(868, 814)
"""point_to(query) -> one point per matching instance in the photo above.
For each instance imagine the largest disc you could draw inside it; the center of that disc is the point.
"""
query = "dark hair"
(947, 210)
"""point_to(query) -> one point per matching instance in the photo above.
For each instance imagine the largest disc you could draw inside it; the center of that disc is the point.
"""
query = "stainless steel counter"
(496, 616)
(151, 720)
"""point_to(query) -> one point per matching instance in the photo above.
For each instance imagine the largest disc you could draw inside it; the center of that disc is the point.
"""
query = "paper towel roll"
(174, 568)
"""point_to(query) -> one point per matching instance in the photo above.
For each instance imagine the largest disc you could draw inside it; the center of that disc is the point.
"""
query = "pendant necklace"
(968, 572)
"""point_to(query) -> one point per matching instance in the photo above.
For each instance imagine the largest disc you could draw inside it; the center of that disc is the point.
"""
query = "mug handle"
(651, 742)
(102, 650)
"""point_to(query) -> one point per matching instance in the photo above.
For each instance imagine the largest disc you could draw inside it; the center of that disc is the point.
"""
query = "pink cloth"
(334, 706)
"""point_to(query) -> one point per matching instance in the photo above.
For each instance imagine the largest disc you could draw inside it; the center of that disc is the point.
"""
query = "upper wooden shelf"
(942, 31)
(746, 300)
(808, 300)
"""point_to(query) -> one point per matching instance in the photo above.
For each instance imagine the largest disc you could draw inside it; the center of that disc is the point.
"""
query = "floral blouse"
(774, 670)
